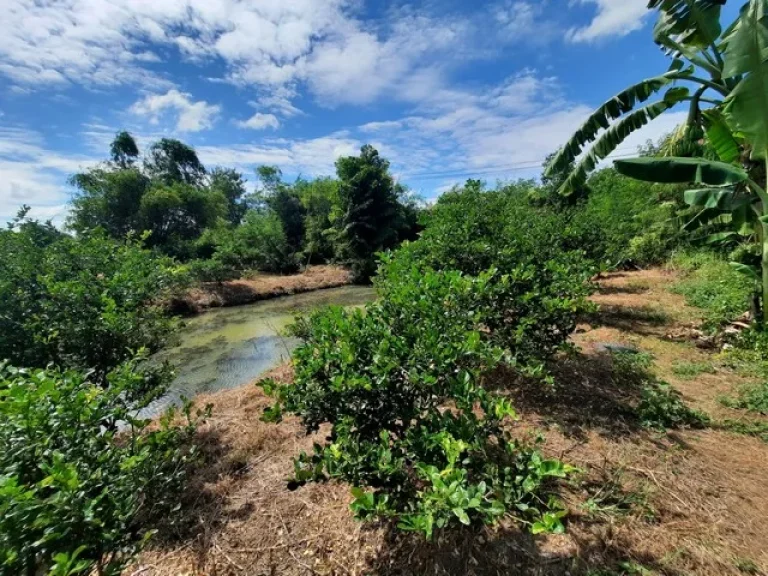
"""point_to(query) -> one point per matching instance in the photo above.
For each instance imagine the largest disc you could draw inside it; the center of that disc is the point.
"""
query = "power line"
(514, 167)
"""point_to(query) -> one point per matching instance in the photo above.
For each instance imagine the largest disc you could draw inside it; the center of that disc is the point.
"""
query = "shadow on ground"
(505, 551)
(642, 320)
(591, 392)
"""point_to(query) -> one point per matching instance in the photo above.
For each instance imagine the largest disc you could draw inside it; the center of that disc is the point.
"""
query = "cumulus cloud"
(35, 175)
(190, 116)
(260, 121)
(613, 18)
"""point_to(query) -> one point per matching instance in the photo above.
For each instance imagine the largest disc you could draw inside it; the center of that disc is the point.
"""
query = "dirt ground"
(262, 287)
(679, 503)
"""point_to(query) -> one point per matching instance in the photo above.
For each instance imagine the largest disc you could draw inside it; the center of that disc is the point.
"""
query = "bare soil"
(261, 287)
(678, 503)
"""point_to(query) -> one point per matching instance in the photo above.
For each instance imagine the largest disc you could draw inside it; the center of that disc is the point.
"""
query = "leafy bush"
(543, 281)
(401, 384)
(212, 270)
(711, 284)
(751, 397)
(86, 303)
(661, 406)
(76, 495)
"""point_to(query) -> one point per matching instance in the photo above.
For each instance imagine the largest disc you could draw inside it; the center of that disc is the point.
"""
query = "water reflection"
(229, 347)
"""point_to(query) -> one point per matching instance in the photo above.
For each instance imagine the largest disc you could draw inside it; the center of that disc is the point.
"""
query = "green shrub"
(711, 284)
(751, 397)
(85, 303)
(690, 370)
(414, 431)
(212, 270)
(661, 406)
(77, 495)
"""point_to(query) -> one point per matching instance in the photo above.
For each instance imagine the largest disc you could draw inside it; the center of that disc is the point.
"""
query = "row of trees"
(208, 216)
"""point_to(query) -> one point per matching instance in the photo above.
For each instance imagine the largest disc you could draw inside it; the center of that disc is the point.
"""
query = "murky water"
(229, 347)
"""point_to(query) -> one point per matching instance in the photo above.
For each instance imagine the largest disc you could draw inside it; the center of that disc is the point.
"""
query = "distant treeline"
(206, 216)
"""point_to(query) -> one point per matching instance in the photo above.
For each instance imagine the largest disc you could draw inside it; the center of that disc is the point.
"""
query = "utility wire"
(514, 167)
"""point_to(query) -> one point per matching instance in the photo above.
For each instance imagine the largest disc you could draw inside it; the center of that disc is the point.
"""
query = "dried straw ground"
(682, 503)
(262, 287)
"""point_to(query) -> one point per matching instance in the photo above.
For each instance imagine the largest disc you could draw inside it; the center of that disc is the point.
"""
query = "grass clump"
(711, 284)
(660, 406)
(752, 398)
(690, 370)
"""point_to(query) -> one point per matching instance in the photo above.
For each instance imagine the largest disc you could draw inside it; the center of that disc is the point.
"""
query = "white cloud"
(191, 116)
(35, 175)
(613, 18)
(271, 45)
(260, 121)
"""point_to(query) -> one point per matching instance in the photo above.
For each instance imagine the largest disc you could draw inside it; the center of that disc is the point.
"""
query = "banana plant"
(723, 76)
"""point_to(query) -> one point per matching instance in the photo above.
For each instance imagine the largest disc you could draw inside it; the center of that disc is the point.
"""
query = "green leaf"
(694, 23)
(721, 137)
(615, 135)
(746, 108)
(681, 170)
(461, 515)
(601, 119)
(746, 270)
(708, 197)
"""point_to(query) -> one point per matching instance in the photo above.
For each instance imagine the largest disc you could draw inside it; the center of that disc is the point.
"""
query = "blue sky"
(446, 90)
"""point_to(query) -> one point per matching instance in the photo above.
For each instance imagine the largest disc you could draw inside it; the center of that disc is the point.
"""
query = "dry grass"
(262, 287)
(681, 503)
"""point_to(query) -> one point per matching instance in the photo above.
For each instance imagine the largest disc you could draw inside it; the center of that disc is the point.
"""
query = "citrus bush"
(76, 494)
(414, 430)
(84, 303)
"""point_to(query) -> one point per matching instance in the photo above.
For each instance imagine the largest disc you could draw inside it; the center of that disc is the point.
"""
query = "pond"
(230, 347)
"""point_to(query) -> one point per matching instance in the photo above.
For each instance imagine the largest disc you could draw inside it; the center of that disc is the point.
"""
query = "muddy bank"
(261, 287)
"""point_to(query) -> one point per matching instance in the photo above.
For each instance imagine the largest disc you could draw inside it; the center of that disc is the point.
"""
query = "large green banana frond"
(690, 22)
(616, 134)
(746, 108)
(601, 118)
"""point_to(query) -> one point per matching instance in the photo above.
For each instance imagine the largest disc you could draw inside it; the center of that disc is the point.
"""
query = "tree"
(124, 150)
(109, 199)
(368, 213)
(177, 214)
(733, 66)
(171, 161)
(231, 185)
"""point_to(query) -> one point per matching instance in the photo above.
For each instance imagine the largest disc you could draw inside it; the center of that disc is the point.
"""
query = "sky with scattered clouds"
(445, 90)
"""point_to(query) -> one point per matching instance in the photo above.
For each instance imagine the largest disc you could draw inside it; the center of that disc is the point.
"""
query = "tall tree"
(231, 185)
(171, 161)
(124, 150)
(368, 214)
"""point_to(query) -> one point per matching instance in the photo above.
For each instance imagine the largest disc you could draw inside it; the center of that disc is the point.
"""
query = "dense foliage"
(207, 217)
(414, 428)
(85, 303)
(76, 495)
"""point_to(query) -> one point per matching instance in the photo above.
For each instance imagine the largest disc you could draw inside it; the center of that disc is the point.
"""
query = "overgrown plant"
(77, 496)
(85, 303)
(728, 73)
(413, 429)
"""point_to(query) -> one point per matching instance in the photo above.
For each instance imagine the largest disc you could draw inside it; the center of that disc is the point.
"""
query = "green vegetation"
(85, 303)
(400, 380)
(660, 406)
(76, 495)
(207, 217)
(691, 370)
(725, 68)
(751, 397)
(711, 284)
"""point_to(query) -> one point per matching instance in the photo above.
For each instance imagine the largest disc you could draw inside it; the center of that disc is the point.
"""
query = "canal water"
(229, 347)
